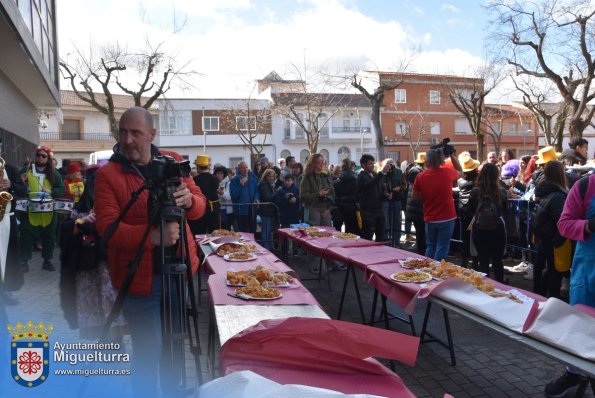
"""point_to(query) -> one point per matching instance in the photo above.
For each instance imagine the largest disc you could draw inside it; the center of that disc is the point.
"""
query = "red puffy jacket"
(114, 185)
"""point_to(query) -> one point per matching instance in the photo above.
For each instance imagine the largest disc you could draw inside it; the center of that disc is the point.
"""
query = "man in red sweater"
(434, 187)
(115, 182)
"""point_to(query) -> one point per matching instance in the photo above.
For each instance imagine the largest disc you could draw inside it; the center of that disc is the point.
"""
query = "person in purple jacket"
(577, 222)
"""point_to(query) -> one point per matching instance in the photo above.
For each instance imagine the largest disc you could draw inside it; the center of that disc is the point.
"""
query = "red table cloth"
(322, 353)
(362, 257)
(318, 246)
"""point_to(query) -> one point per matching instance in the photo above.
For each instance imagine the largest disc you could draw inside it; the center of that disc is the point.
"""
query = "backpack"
(487, 215)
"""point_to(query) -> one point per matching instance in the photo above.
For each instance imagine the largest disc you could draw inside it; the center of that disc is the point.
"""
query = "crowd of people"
(539, 207)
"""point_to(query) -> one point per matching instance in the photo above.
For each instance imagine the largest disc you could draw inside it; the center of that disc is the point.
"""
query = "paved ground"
(488, 365)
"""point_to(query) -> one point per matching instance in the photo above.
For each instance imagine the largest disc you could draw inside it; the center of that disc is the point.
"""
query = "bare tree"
(112, 70)
(376, 98)
(550, 117)
(495, 118)
(311, 106)
(552, 39)
(469, 98)
(252, 124)
(414, 130)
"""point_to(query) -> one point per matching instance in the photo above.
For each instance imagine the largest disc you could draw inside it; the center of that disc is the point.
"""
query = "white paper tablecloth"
(565, 327)
(502, 311)
(250, 385)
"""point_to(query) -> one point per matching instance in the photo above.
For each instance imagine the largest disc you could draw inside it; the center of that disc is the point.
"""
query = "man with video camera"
(126, 172)
(434, 188)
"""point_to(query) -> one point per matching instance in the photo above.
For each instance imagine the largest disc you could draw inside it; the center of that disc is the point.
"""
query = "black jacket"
(267, 194)
(549, 202)
(346, 191)
(474, 203)
(466, 184)
(370, 190)
(17, 187)
(415, 209)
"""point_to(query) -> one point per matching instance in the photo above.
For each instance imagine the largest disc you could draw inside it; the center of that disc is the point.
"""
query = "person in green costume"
(43, 183)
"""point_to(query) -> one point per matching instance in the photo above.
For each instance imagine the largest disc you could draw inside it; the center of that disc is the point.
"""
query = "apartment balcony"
(77, 142)
(51, 136)
(351, 130)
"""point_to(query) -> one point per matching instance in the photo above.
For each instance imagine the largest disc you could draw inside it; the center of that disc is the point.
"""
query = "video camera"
(165, 173)
(446, 148)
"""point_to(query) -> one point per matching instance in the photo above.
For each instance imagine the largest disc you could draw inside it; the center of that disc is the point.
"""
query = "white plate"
(252, 257)
(427, 278)
(260, 298)
(404, 262)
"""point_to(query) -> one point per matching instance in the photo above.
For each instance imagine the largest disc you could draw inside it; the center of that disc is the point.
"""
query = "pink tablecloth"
(318, 246)
(295, 294)
(362, 257)
(322, 353)
(216, 264)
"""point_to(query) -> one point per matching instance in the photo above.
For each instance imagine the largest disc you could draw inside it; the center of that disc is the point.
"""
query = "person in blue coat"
(288, 200)
(244, 192)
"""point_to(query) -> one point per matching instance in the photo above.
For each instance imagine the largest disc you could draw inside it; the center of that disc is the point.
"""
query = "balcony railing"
(351, 130)
(47, 136)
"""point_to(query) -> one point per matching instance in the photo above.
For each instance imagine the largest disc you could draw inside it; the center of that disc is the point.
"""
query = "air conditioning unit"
(433, 141)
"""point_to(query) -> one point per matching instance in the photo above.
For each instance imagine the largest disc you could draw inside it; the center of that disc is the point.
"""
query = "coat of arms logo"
(29, 353)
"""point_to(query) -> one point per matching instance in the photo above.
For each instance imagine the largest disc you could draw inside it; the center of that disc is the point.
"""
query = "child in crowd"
(74, 182)
(288, 200)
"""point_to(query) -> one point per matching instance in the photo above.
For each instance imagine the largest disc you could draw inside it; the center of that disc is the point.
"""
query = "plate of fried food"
(259, 276)
(225, 232)
(239, 256)
(417, 263)
(345, 236)
(234, 247)
(258, 293)
(411, 277)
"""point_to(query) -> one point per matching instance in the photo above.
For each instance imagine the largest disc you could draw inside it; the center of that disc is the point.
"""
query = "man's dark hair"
(220, 169)
(366, 157)
(65, 162)
(434, 158)
(577, 141)
(289, 159)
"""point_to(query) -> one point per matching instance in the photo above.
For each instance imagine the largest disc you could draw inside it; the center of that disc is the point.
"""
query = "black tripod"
(174, 266)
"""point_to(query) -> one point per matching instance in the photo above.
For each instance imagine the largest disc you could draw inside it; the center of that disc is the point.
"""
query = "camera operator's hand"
(183, 196)
(171, 234)
(292, 200)
(288, 195)
(324, 192)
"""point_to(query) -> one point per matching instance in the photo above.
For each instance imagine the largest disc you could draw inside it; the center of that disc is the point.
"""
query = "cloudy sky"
(230, 43)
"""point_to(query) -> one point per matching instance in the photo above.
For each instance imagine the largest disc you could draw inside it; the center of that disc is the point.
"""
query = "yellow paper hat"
(547, 154)
(467, 162)
(202, 161)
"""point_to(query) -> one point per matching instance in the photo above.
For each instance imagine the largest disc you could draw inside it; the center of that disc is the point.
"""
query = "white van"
(95, 157)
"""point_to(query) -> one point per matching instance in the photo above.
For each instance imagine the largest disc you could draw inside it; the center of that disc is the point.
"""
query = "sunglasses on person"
(41, 155)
